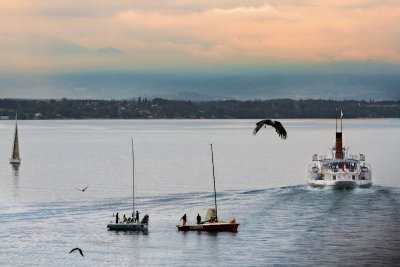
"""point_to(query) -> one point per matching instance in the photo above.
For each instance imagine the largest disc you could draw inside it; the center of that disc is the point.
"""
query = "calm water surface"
(260, 180)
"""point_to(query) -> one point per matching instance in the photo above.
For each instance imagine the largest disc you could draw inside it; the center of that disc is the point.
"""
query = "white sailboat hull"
(15, 161)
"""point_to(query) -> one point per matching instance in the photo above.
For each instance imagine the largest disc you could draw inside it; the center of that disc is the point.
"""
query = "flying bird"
(80, 251)
(276, 124)
(83, 190)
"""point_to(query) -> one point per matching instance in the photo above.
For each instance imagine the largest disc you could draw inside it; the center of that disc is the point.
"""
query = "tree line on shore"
(159, 108)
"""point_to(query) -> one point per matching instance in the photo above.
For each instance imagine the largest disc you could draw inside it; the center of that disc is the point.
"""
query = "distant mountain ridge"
(110, 51)
(125, 85)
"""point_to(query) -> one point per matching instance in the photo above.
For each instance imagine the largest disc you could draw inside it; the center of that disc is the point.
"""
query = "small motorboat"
(211, 224)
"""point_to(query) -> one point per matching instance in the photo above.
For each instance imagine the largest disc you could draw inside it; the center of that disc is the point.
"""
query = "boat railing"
(360, 157)
(369, 167)
(317, 157)
(340, 170)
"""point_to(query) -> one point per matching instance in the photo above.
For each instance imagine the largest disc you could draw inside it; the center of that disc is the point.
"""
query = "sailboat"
(212, 223)
(131, 225)
(15, 160)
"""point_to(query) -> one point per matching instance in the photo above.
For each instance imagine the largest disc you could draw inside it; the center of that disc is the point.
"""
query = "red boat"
(212, 224)
(210, 227)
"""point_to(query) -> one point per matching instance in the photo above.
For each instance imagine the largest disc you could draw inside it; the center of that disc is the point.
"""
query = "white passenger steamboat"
(341, 169)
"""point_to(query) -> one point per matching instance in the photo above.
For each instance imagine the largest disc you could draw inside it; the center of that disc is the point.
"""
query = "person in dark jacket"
(145, 219)
(183, 219)
(198, 219)
(116, 218)
(137, 216)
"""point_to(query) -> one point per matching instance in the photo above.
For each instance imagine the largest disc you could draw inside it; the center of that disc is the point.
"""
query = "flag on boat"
(344, 167)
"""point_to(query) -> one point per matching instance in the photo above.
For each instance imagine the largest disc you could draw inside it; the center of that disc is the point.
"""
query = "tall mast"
(341, 119)
(215, 191)
(133, 179)
(336, 120)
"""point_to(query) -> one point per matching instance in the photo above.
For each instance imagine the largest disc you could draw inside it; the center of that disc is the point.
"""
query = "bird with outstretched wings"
(80, 251)
(83, 190)
(276, 124)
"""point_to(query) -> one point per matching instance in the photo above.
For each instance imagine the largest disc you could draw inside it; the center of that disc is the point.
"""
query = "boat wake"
(295, 219)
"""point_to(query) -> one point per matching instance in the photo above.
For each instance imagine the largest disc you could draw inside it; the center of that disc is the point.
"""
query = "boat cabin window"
(333, 177)
(330, 167)
(325, 168)
(354, 177)
(362, 178)
(338, 166)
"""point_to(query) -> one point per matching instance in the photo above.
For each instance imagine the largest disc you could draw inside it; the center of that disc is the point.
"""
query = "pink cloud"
(207, 32)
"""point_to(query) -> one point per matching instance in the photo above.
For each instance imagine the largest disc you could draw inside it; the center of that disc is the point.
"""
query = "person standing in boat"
(183, 219)
(198, 219)
(137, 216)
(116, 218)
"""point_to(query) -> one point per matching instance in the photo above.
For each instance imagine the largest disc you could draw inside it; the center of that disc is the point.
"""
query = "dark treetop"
(172, 109)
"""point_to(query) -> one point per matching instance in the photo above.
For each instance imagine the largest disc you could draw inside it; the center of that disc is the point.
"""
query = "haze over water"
(261, 180)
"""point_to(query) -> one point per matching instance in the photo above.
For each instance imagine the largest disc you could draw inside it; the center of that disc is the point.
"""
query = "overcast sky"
(152, 35)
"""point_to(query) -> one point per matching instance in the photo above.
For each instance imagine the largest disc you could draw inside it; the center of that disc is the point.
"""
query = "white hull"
(15, 161)
(128, 226)
(339, 184)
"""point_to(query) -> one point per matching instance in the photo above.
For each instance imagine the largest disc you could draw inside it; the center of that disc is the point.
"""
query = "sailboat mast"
(133, 179)
(215, 191)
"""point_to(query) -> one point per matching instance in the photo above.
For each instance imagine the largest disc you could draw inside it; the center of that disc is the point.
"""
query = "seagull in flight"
(83, 190)
(276, 124)
(80, 251)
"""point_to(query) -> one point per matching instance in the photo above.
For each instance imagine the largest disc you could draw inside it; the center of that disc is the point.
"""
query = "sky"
(62, 36)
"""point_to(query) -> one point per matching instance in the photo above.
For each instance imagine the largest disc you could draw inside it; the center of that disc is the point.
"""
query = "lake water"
(261, 180)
